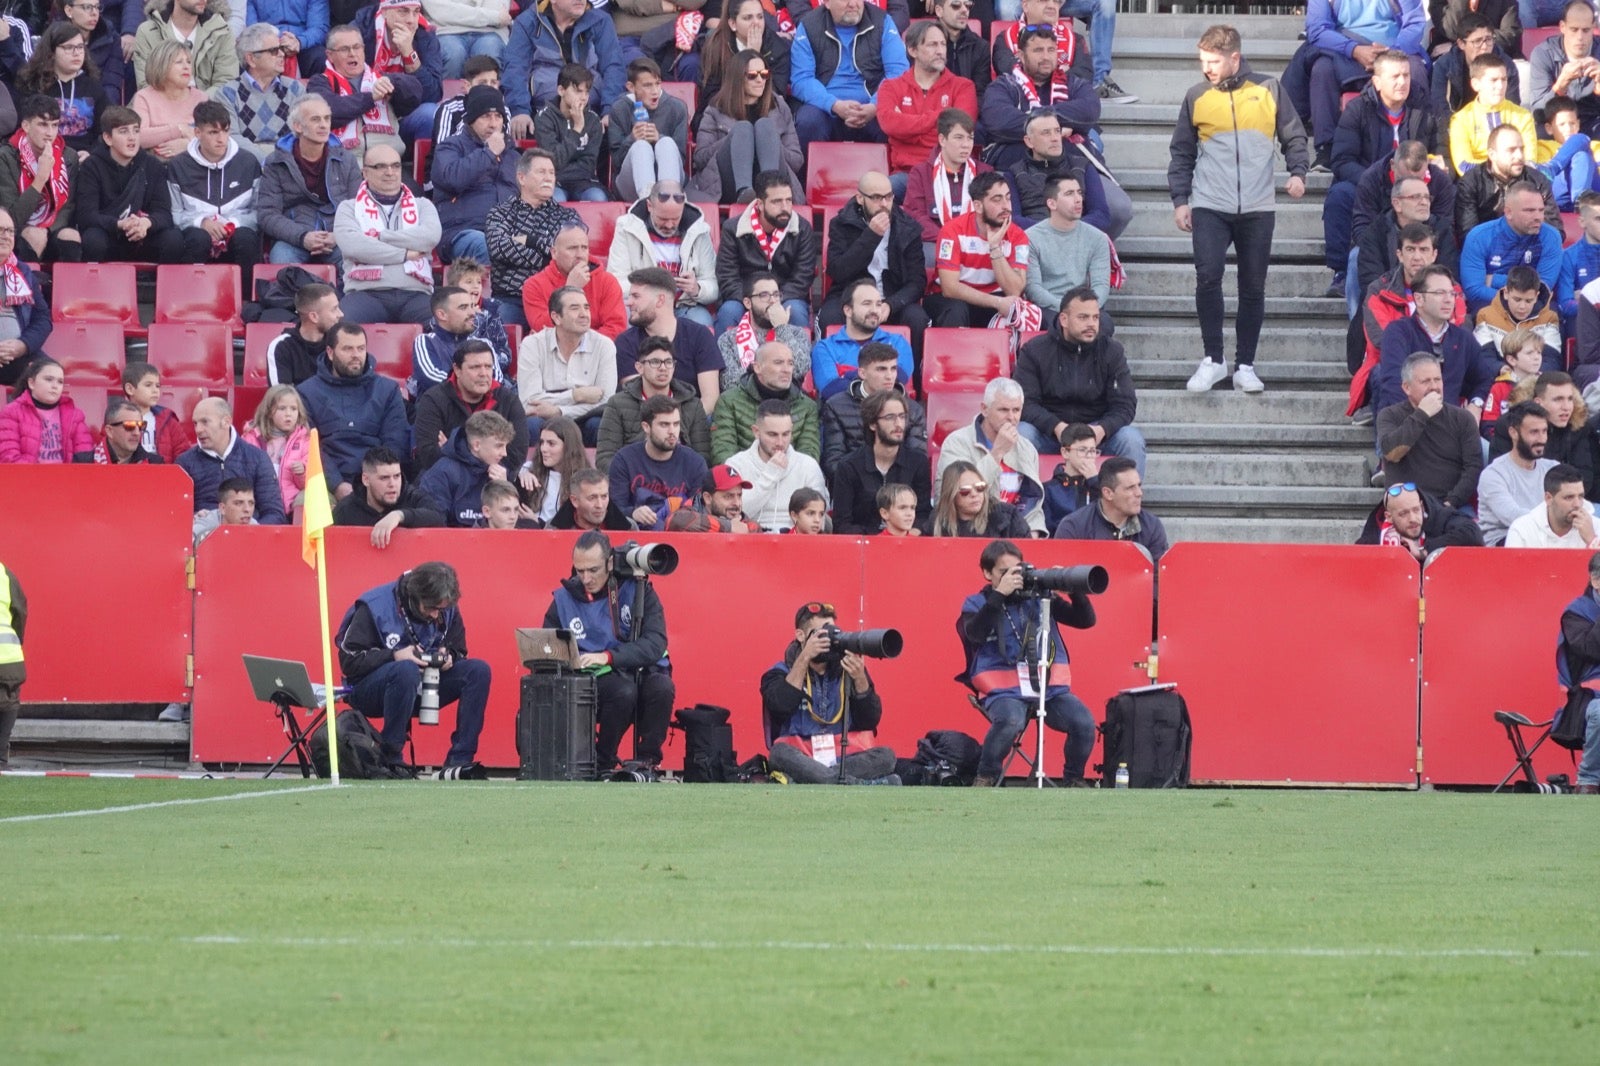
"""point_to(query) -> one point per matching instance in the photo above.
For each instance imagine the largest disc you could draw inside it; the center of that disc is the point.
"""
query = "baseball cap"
(722, 477)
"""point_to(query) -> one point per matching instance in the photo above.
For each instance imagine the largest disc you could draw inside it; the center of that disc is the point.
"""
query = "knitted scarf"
(942, 204)
(377, 120)
(768, 241)
(746, 339)
(1058, 88)
(405, 217)
(1066, 47)
(17, 288)
(385, 60)
(55, 193)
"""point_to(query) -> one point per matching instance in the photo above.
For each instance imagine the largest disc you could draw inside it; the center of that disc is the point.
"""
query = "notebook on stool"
(548, 651)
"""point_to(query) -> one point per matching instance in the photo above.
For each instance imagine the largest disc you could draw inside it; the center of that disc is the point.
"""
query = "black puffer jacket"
(1063, 381)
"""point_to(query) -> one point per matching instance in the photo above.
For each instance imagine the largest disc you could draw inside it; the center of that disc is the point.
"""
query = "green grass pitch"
(672, 923)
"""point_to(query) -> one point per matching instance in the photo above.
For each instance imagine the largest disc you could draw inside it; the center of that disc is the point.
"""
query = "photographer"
(999, 633)
(387, 638)
(622, 639)
(1579, 652)
(804, 699)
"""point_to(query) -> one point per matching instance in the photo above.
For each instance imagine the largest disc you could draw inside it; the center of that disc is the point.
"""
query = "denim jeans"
(593, 194)
(1251, 237)
(1102, 19)
(814, 124)
(1063, 712)
(1127, 442)
(1336, 212)
(419, 124)
(454, 48)
(284, 252)
(1589, 766)
(802, 769)
(1571, 171)
(1536, 13)
(469, 244)
(391, 691)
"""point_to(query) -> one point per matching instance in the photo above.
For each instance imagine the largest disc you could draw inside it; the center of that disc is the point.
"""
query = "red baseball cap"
(723, 477)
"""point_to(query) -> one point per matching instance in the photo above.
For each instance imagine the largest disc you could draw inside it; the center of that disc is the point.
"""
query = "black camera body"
(644, 560)
(1072, 580)
(871, 643)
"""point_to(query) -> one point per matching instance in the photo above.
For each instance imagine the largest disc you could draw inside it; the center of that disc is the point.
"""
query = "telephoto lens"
(1069, 579)
(428, 703)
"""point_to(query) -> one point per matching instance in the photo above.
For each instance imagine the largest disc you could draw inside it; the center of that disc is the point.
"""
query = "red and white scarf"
(55, 194)
(405, 216)
(686, 30)
(943, 206)
(1058, 89)
(1066, 47)
(385, 60)
(1025, 317)
(17, 289)
(377, 120)
(768, 241)
(746, 339)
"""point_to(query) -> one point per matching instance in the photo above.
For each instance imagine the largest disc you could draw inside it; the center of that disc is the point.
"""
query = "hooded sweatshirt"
(202, 189)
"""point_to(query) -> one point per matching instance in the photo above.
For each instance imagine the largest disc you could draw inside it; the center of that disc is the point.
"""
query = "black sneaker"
(1336, 287)
(401, 772)
(1112, 93)
(472, 771)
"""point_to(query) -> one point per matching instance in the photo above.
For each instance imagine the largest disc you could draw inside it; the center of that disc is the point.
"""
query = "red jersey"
(962, 249)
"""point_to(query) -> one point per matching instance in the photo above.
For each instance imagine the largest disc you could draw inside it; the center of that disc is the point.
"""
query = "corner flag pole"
(327, 657)
(317, 518)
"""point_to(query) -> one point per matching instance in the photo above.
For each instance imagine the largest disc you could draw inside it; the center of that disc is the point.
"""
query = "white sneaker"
(1245, 380)
(174, 712)
(1206, 376)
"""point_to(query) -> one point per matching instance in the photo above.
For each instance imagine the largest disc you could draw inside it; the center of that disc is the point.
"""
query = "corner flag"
(317, 517)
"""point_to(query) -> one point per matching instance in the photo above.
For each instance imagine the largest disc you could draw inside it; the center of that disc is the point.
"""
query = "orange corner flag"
(318, 515)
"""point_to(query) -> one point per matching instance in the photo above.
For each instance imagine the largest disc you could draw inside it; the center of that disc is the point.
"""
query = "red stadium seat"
(601, 218)
(421, 149)
(91, 353)
(257, 335)
(686, 91)
(1571, 229)
(452, 87)
(193, 353)
(996, 29)
(835, 167)
(265, 272)
(97, 292)
(959, 359)
(1533, 36)
(182, 402)
(514, 334)
(204, 292)
(949, 411)
(244, 400)
(92, 401)
(390, 348)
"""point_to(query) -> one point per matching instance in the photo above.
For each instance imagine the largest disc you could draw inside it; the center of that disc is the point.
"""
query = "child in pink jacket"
(43, 425)
(280, 429)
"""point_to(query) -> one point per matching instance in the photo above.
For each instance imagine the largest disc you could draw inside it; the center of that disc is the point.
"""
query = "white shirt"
(1533, 530)
(766, 503)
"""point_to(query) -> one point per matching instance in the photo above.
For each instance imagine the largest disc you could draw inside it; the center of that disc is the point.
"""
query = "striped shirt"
(962, 249)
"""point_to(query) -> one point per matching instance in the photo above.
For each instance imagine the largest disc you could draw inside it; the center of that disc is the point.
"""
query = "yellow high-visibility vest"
(10, 643)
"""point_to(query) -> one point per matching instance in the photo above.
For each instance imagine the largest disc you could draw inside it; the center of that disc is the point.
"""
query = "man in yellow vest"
(13, 619)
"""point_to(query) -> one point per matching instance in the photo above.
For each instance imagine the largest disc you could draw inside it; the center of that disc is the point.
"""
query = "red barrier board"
(1299, 663)
(102, 555)
(1489, 644)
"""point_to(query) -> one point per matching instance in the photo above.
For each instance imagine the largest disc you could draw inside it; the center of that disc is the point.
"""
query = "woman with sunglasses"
(745, 26)
(98, 21)
(966, 507)
(61, 68)
(43, 425)
(747, 129)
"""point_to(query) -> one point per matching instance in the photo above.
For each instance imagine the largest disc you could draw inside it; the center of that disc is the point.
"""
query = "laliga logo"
(392, 641)
(576, 626)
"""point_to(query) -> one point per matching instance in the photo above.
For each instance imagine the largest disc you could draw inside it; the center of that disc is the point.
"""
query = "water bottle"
(1122, 775)
(640, 112)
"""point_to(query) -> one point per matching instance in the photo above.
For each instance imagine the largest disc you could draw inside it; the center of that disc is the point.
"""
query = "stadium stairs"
(1281, 466)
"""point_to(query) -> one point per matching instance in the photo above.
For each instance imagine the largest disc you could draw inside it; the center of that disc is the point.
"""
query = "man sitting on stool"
(384, 643)
(804, 698)
(622, 638)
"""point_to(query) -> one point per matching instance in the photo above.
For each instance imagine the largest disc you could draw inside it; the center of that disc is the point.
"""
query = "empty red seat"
(244, 400)
(601, 218)
(198, 292)
(514, 334)
(835, 167)
(193, 354)
(1571, 229)
(96, 292)
(182, 401)
(257, 335)
(390, 348)
(92, 401)
(964, 358)
(91, 353)
(686, 91)
(948, 411)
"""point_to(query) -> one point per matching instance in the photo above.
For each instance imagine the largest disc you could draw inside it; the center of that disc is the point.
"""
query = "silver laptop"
(269, 677)
(547, 650)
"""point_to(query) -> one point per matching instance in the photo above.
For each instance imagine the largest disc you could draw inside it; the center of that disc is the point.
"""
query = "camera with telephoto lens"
(1069, 579)
(872, 643)
(428, 706)
(645, 560)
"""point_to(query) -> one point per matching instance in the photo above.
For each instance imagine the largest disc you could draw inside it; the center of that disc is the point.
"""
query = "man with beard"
(1513, 484)
(1564, 520)
(589, 505)
(870, 238)
(966, 53)
(835, 359)
(982, 260)
(658, 474)
(1571, 440)
(621, 423)
(1481, 191)
(769, 235)
(885, 458)
(909, 106)
(722, 499)
(570, 265)
(662, 230)
(1419, 523)
(842, 431)
(353, 406)
(1105, 205)
(470, 388)
(1068, 252)
(1075, 374)
(773, 466)
(843, 50)
(765, 320)
(1427, 442)
(386, 502)
(1030, 86)
(651, 300)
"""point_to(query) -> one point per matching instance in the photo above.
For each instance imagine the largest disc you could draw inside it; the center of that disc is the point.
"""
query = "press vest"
(993, 669)
(1586, 607)
(394, 627)
(593, 623)
(825, 700)
(10, 643)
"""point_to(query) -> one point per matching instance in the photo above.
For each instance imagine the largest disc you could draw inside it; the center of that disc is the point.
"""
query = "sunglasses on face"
(670, 197)
(757, 75)
(973, 490)
(129, 426)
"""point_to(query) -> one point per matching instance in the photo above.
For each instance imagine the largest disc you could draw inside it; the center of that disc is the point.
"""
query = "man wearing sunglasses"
(123, 444)
(259, 99)
(1418, 522)
(966, 53)
(663, 230)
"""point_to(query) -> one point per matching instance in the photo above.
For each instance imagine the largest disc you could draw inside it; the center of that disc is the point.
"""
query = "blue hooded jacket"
(533, 59)
(455, 482)
(353, 415)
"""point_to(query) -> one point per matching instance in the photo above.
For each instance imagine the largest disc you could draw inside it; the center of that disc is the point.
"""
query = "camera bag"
(708, 754)
(360, 749)
(1148, 729)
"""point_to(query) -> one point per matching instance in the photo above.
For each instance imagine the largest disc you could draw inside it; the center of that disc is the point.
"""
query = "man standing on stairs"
(1222, 186)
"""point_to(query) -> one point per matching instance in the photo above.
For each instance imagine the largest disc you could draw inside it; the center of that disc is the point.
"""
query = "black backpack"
(707, 744)
(1148, 730)
(360, 749)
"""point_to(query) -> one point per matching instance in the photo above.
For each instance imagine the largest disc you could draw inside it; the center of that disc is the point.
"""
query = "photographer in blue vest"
(999, 633)
(805, 697)
(389, 637)
(1580, 639)
(622, 639)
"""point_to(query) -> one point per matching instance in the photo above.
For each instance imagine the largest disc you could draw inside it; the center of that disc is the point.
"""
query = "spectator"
(745, 26)
(834, 360)
(122, 438)
(213, 189)
(292, 356)
(769, 235)
(281, 430)
(621, 420)
(650, 146)
(1072, 49)
(503, 508)
(1465, 377)
(842, 431)
(1075, 480)
(163, 434)
(897, 511)
(652, 296)
(1566, 157)
(770, 377)
(1450, 82)
(201, 26)
(24, 312)
(1512, 485)
(122, 207)
(468, 28)
(656, 475)
(1427, 442)
(1564, 520)
(455, 316)
(1521, 236)
(1524, 302)
(1576, 646)
(558, 456)
(450, 119)
(166, 104)
(765, 320)
(571, 267)
(1569, 439)
(42, 424)
(1003, 456)
(1480, 195)
(671, 32)
(470, 275)
(473, 172)
(1390, 299)
(1118, 513)
(302, 184)
(569, 369)
(636, 690)
(871, 239)
(909, 105)
(808, 511)
(385, 503)
(1418, 522)
(821, 711)
(887, 457)
(402, 47)
(722, 505)
(13, 671)
(219, 454)
(105, 47)
(589, 505)
(1372, 197)
(261, 98)
(662, 230)
(1047, 157)
(1032, 85)
(939, 190)
(1074, 374)
(772, 464)
(520, 232)
(60, 71)
(474, 455)
(1472, 126)
(834, 84)
(365, 105)
(1522, 354)
(1565, 66)
(1341, 53)
(302, 28)
(572, 133)
(1223, 194)
(236, 506)
(353, 407)
(386, 236)
(1411, 202)
(1071, 253)
(982, 264)
(545, 39)
(470, 388)
(746, 130)
(967, 508)
(967, 53)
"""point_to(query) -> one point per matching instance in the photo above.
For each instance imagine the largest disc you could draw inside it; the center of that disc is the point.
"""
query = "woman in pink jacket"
(280, 429)
(42, 425)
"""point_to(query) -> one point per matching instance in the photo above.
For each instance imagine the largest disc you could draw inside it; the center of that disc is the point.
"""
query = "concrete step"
(99, 731)
(1261, 501)
(1329, 471)
(1150, 183)
(1152, 340)
(1187, 26)
(1296, 220)
(1173, 373)
(1279, 309)
(1284, 280)
(1274, 407)
(1266, 52)
(1252, 437)
(1180, 248)
(1236, 530)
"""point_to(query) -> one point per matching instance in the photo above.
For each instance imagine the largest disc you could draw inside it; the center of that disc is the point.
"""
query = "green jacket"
(22, 204)
(735, 414)
(620, 426)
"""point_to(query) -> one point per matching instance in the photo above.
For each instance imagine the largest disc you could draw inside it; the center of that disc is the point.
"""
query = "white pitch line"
(126, 808)
(808, 946)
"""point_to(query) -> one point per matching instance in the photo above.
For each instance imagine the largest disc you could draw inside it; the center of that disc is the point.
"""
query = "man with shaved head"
(221, 456)
(871, 237)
